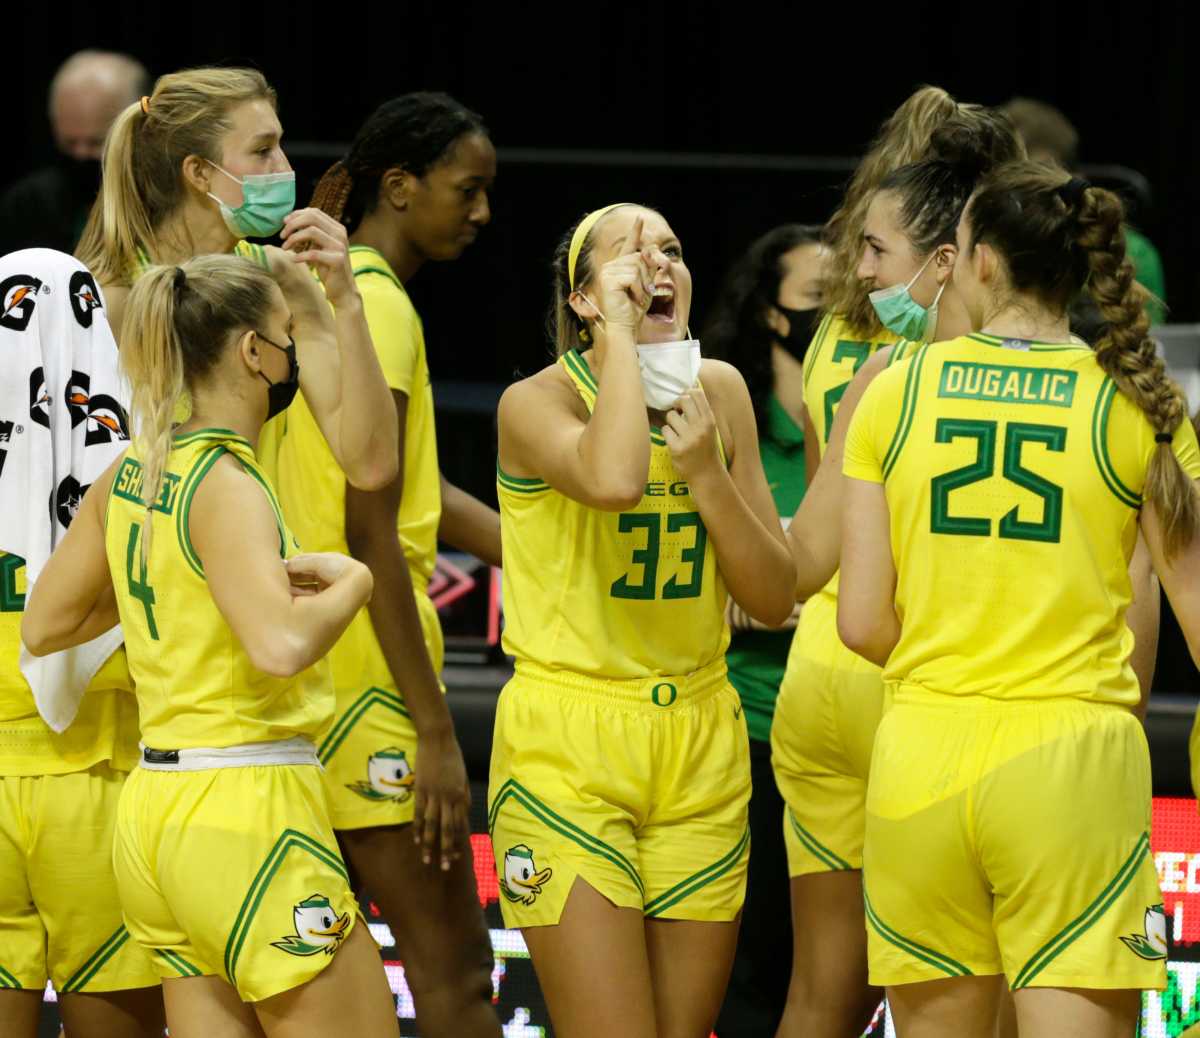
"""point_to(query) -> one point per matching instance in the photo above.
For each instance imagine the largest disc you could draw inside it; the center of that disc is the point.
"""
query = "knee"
(462, 974)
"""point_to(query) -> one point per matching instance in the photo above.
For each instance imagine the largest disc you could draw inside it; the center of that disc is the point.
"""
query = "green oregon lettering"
(1016, 435)
(128, 485)
(11, 600)
(644, 584)
(658, 699)
(1007, 384)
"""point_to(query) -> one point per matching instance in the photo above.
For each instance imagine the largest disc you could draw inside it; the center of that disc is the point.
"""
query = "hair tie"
(180, 282)
(1072, 191)
(145, 105)
(1163, 437)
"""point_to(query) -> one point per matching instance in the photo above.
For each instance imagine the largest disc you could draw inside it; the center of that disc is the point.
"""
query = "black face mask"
(281, 394)
(802, 326)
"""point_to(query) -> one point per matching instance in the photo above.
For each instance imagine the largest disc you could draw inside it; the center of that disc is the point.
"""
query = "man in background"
(1050, 137)
(49, 206)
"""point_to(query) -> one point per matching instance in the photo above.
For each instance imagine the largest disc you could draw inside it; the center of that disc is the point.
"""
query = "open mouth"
(662, 305)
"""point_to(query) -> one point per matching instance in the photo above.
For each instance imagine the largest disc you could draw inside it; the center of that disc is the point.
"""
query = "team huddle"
(222, 717)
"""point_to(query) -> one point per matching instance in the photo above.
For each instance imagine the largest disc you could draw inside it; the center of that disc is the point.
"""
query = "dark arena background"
(731, 118)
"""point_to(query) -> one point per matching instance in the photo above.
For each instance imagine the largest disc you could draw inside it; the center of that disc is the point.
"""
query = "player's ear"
(396, 187)
(248, 350)
(944, 261)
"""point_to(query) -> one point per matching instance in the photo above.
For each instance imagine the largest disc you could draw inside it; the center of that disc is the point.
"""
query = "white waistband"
(297, 750)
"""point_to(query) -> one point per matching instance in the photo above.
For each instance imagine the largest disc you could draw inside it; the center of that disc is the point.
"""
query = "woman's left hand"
(317, 239)
(691, 434)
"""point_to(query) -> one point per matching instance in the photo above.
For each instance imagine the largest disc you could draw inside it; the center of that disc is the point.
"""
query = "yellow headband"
(580, 236)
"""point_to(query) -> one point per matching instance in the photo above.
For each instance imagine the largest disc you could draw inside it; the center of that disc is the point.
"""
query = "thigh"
(593, 968)
(136, 1013)
(566, 786)
(928, 902)
(20, 1011)
(960, 1007)
(23, 952)
(829, 941)
(689, 968)
(436, 918)
(350, 996)
(1100, 923)
(1065, 1013)
(207, 1007)
(89, 950)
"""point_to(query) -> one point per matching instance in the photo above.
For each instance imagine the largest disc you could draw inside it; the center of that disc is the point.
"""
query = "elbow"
(619, 496)
(860, 637)
(36, 640)
(374, 472)
(284, 656)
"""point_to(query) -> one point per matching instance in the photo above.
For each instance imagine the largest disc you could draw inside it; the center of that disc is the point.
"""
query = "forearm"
(314, 623)
(754, 561)
(397, 624)
(64, 624)
(616, 443)
(367, 425)
(469, 525)
(814, 536)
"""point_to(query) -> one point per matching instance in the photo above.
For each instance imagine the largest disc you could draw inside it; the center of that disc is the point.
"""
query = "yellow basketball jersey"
(195, 685)
(607, 594)
(312, 487)
(105, 729)
(1013, 472)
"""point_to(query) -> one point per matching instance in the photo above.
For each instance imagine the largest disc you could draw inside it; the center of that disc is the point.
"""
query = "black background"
(686, 77)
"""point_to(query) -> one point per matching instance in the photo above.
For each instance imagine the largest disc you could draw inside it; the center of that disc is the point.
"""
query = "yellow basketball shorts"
(370, 750)
(1011, 837)
(640, 788)
(829, 706)
(60, 917)
(233, 872)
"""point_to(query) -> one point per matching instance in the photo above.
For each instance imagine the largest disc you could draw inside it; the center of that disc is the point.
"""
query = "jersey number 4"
(1016, 435)
(139, 586)
(650, 523)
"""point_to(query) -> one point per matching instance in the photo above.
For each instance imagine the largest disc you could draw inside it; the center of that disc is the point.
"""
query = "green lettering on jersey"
(128, 485)
(1007, 384)
(12, 600)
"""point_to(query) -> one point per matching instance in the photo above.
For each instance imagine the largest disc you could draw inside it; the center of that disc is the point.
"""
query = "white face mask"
(669, 369)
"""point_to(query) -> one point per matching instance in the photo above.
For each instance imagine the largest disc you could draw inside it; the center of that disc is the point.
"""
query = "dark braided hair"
(738, 331)
(413, 132)
(1059, 236)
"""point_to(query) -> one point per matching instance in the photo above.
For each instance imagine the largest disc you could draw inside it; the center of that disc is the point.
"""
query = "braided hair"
(1058, 236)
(413, 132)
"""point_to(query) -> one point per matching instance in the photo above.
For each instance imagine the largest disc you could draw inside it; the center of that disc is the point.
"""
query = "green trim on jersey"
(513, 790)
(1034, 346)
(199, 470)
(177, 962)
(686, 888)
(579, 367)
(1083, 922)
(382, 268)
(93, 966)
(900, 349)
(1100, 415)
(814, 347)
(354, 713)
(7, 980)
(908, 411)
(936, 959)
(288, 839)
(520, 484)
(216, 435)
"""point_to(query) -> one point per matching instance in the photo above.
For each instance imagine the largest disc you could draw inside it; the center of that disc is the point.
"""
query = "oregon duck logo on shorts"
(318, 928)
(389, 776)
(522, 882)
(1153, 943)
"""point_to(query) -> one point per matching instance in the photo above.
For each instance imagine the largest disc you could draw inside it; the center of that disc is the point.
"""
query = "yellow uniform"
(260, 896)
(370, 750)
(830, 699)
(1014, 470)
(620, 753)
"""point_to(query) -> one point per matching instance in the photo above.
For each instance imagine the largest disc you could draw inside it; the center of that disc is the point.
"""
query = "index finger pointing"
(635, 239)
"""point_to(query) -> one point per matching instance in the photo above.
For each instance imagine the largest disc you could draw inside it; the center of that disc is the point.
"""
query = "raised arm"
(72, 600)
(283, 628)
(815, 534)
(735, 503)
(601, 461)
(340, 374)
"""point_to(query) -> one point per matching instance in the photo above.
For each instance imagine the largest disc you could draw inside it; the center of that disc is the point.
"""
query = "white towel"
(63, 419)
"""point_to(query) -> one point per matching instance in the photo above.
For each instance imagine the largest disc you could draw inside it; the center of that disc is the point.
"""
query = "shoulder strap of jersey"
(814, 347)
(1100, 415)
(908, 410)
(578, 371)
(900, 349)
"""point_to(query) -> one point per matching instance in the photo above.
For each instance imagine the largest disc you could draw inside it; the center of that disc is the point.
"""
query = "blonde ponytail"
(179, 320)
(1128, 355)
(187, 114)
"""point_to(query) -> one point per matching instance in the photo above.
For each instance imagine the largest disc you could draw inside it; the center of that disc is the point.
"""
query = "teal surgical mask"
(902, 314)
(266, 199)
